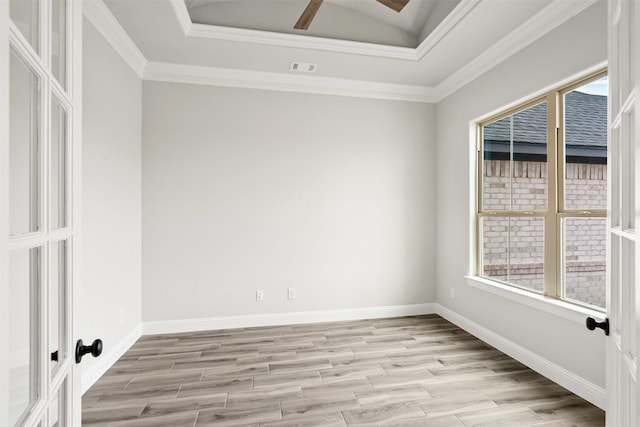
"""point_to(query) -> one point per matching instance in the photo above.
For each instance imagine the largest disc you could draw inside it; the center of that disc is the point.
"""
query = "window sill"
(553, 306)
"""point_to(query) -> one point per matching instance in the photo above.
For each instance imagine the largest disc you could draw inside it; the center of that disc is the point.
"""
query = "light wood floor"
(409, 371)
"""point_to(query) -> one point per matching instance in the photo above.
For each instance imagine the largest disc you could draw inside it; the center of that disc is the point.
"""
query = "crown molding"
(537, 26)
(301, 41)
(558, 12)
(182, 14)
(191, 74)
(101, 17)
(447, 24)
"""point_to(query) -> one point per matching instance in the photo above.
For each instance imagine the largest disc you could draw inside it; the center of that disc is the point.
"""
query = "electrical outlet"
(453, 292)
(291, 293)
(259, 295)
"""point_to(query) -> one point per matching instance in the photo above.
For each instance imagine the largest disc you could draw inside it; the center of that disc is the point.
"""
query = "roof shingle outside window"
(585, 132)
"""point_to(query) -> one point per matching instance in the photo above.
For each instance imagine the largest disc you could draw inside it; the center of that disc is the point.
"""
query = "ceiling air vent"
(303, 67)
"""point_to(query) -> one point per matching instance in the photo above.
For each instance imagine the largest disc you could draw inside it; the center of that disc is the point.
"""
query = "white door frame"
(75, 80)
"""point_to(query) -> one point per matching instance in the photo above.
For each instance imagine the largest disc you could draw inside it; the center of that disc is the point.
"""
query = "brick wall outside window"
(513, 248)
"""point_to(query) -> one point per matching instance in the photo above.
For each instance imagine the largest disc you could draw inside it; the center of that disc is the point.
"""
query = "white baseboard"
(108, 358)
(273, 319)
(576, 384)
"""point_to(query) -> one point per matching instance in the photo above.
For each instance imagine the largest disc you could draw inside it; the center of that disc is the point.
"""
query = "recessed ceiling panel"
(366, 21)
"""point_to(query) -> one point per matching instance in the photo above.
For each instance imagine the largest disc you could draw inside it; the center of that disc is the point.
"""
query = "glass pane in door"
(58, 168)
(25, 14)
(24, 191)
(57, 408)
(24, 290)
(57, 298)
(59, 41)
(629, 188)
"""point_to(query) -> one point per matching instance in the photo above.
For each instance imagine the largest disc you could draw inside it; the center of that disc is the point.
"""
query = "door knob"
(95, 349)
(592, 324)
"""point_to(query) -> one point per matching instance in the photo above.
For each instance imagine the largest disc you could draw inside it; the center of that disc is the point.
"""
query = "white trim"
(182, 15)
(4, 213)
(569, 380)
(559, 308)
(540, 24)
(74, 262)
(273, 319)
(448, 23)
(101, 17)
(301, 41)
(108, 358)
(537, 26)
(192, 74)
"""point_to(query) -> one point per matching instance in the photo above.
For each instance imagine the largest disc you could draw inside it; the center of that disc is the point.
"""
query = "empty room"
(319, 213)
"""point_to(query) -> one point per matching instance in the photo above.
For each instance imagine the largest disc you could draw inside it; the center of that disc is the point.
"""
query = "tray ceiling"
(254, 39)
(357, 20)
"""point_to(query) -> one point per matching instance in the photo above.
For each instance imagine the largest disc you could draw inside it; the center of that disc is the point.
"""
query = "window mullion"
(552, 270)
(560, 199)
(479, 197)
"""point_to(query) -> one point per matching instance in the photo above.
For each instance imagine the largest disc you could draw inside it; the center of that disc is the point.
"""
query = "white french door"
(39, 215)
(624, 177)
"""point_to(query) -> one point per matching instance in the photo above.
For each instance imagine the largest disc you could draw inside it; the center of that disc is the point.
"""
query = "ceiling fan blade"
(396, 5)
(308, 15)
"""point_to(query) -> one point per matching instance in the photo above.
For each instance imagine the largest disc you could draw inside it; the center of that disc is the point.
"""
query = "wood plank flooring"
(409, 371)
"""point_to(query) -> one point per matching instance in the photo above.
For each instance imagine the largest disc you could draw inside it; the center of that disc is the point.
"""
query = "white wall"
(570, 49)
(111, 201)
(248, 189)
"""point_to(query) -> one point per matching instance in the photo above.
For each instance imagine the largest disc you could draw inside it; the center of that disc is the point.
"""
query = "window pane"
(59, 41)
(24, 285)
(24, 13)
(513, 250)
(495, 248)
(615, 212)
(24, 148)
(57, 408)
(585, 145)
(58, 165)
(584, 259)
(57, 298)
(515, 155)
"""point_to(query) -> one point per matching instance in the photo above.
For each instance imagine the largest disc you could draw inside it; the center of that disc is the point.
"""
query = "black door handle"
(95, 349)
(592, 324)
(54, 356)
